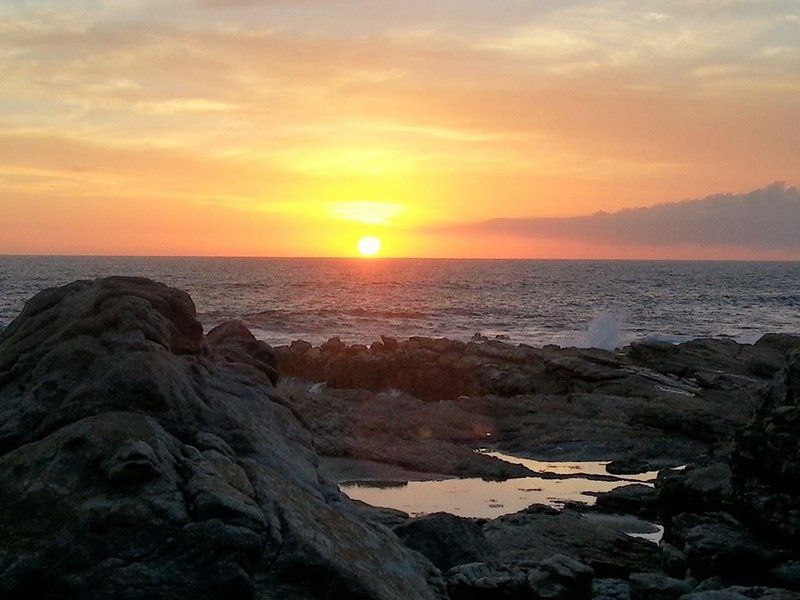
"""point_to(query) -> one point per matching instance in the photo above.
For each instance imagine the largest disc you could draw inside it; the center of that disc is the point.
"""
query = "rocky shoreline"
(141, 458)
(649, 405)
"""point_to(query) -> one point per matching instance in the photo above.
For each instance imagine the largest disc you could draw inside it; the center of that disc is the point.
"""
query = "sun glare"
(369, 246)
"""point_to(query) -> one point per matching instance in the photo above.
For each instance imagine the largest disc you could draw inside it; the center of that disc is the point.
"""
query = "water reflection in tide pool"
(570, 468)
(474, 497)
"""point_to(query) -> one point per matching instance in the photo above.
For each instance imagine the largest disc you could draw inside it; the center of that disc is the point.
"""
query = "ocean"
(564, 302)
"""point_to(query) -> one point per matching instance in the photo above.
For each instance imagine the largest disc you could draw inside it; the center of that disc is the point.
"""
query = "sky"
(297, 127)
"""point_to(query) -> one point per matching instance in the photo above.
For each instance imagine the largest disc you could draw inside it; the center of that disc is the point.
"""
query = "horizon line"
(384, 258)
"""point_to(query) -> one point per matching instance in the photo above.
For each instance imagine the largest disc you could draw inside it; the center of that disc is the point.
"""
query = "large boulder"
(141, 459)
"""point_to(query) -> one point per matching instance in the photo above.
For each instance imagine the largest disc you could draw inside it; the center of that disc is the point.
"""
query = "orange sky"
(294, 127)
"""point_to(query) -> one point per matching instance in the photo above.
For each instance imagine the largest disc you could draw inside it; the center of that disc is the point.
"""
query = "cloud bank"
(767, 218)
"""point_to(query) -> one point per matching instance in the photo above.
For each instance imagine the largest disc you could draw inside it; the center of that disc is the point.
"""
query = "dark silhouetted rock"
(635, 499)
(447, 540)
(630, 466)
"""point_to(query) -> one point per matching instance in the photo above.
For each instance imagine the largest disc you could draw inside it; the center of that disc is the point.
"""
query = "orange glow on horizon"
(287, 130)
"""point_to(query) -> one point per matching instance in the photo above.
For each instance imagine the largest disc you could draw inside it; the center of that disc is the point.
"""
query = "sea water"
(565, 302)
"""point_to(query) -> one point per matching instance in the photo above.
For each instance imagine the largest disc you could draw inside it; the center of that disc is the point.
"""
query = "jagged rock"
(142, 460)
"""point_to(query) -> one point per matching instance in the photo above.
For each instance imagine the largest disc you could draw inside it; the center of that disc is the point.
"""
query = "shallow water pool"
(475, 497)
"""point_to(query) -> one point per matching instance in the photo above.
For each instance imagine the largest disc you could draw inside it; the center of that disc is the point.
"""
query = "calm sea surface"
(602, 303)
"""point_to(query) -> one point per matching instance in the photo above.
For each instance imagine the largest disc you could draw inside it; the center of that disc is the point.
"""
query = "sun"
(369, 246)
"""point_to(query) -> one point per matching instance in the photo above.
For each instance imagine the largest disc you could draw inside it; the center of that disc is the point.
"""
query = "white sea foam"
(605, 331)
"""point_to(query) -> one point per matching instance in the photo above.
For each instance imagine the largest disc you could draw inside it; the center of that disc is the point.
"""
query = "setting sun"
(369, 246)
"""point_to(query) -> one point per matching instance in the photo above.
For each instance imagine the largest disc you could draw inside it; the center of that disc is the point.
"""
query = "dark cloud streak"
(767, 218)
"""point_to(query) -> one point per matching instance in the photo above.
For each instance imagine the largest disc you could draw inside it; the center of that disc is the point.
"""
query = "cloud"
(767, 218)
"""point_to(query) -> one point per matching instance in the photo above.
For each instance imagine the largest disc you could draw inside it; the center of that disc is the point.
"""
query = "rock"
(744, 593)
(389, 343)
(696, 489)
(706, 357)
(611, 589)
(652, 586)
(630, 466)
(561, 577)
(783, 342)
(142, 460)
(133, 461)
(557, 577)
(300, 346)
(233, 342)
(788, 575)
(715, 595)
(767, 459)
(636, 499)
(479, 581)
(333, 345)
(540, 532)
(421, 436)
(726, 548)
(446, 540)
(673, 561)
(711, 584)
